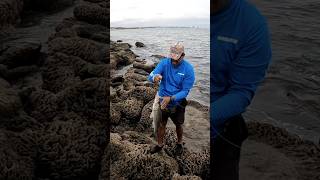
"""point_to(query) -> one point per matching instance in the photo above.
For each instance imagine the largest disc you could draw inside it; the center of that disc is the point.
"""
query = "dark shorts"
(176, 113)
(226, 149)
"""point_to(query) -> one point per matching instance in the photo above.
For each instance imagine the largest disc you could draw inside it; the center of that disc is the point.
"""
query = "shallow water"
(158, 42)
(290, 96)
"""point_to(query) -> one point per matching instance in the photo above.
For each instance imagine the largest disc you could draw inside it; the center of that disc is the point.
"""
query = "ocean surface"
(158, 41)
(290, 95)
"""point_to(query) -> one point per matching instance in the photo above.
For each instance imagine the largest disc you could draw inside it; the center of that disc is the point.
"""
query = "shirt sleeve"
(158, 70)
(187, 84)
(247, 71)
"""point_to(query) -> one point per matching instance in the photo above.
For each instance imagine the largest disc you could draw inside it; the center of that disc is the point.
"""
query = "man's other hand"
(165, 102)
(157, 78)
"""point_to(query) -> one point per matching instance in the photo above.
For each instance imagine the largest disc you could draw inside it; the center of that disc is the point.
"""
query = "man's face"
(176, 61)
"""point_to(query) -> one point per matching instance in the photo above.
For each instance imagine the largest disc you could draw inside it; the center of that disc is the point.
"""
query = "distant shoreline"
(152, 27)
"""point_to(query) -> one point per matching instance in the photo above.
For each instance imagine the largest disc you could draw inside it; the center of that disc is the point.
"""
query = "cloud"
(159, 13)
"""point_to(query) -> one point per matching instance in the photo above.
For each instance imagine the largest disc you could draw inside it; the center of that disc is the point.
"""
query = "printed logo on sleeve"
(227, 39)
(181, 74)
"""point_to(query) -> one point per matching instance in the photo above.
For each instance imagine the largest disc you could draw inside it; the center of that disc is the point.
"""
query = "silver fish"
(156, 115)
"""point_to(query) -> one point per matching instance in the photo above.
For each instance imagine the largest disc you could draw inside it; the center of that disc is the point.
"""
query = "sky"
(145, 13)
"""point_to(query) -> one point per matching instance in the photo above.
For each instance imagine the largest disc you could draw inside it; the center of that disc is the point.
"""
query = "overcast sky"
(132, 13)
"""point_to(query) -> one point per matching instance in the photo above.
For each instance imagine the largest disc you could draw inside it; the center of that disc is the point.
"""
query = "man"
(176, 77)
(240, 55)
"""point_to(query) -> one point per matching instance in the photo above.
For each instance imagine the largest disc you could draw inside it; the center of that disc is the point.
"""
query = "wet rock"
(157, 56)
(119, 41)
(141, 72)
(20, 53)
(147, 68)
(139, 44)
(131, 160)
(121, 55)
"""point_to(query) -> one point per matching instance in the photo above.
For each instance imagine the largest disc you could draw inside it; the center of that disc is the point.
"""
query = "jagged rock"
(69, 149)
(145, 121)
(10, 12)
(157, 56)
(143, 93)
(10, 102)
(139, 44)
(177, 176)
(115, 114)
(41, 5)
(42, 105)
(20, 52)
(88, 98)
(131, 160)
(131, 109)
(190, 163)
(17, 153)
(92, 13)
(86, 49)
(121, 55)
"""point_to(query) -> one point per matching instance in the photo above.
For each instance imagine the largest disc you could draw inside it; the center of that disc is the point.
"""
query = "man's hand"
(157, 78)
(165, 102)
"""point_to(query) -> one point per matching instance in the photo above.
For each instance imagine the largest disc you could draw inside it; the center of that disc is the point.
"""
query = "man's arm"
(187, 84)
(157, 71)
(246, 73)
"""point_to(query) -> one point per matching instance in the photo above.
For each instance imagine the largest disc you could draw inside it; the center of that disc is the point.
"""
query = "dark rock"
(92, 13)
(131, 109)
(148, 68)
(88, 50)
(17, 153)
(10, 102)
(69, 149)
(10, 11)
(45, 5)
(139, 44)
(157, 56)
(21, 53)
(119, 41)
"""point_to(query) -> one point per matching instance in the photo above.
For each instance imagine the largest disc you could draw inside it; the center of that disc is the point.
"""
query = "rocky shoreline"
(131, 99)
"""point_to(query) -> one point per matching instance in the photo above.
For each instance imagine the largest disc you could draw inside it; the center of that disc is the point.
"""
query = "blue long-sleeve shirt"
(176, 80)
(240, 54)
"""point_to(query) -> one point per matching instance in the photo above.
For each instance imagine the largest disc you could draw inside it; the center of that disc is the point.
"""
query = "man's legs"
(226, 148)
(179, 130)
(178, 120)
(160, 132)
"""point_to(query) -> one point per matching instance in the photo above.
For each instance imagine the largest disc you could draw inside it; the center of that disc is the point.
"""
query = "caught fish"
(156, 115)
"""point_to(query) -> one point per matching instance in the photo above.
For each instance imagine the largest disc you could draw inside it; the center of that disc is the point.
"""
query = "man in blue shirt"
(240, 55)
(176, 77)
